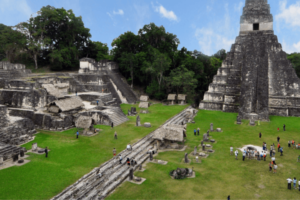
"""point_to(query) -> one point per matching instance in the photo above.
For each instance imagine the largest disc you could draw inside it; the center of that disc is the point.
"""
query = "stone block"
(147, 124)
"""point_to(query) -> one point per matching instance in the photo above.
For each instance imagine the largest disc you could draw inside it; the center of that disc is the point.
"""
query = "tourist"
(275, 169)
(244, 155)
(281, 151)
(236, 154)
(77, 134)
(273, 160)
(195, 132)
(265, 155)
(278, 139)
(295, 182)
(228, 198)
(97, 103)
(259, 135)
(261, 155)
(76, 92)
(231, 150)
(46, 152)
(289, 143)
(271, 151)
(128, 162)
(299, 184)
(289, 183)
(283, 127)
(293, 144)
(278, 129)
(248, 152)
(252, 153)
(198, 131)
(112, 125)
(270, 166)
(120, 158)
(116, 135)
(265, 146)
(278, 146)
(129, 148)
(114, 151)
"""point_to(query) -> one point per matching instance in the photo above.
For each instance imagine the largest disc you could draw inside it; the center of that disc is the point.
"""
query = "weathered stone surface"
(147, 124)
(256, 77)
(144, 98)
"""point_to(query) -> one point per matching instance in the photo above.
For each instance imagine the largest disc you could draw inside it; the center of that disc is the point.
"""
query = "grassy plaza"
(220, 175)
(69, 159)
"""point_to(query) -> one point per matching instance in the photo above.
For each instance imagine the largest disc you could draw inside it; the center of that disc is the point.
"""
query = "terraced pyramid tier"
(255, 79)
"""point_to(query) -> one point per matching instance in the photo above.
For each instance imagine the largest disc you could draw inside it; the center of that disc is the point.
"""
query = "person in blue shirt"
(195, 132)
(281, 151)
(295, 182)
(77, 134)
(97, 103)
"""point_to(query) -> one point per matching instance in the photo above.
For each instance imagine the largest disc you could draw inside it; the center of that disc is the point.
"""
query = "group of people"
(292, 143)
(294, 183)
(197, 132)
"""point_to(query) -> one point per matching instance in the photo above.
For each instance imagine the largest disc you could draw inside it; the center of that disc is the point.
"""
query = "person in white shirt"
(275, 169)
(273, 159)
(129, 147)
(236, 154)
(289, 180)
(299, 184)
(231, 150)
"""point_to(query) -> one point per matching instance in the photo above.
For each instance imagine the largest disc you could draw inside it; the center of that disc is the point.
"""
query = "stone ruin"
(172, 99)
(55, 101)
(256, 79)
(181, 173)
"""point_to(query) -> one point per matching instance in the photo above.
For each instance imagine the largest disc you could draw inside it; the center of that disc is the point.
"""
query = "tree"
(160, 64)
(183, 80)
(294, 58)
(130, 60)
(11, 42)
(97, 50)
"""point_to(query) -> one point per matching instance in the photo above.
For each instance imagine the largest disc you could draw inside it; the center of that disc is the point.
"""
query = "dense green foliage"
(220, 175)
(295, 60)
(152, 60)
(70, 158)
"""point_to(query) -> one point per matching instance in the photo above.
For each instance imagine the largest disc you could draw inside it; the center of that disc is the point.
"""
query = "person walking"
(236, 154)
(195, 132)
(116, 135)
(228, 198)
(278, 129)
(198, 131)
(278, 139)
(112, 125)
(275, 169)
(295, 182)
(283, 127)
(46, 152)
(271, 153)
(231, 150)
(77, 134)
(289, 143)
(270, 166)
(259, 135)
(114, 152)
(278, 146)
(244, 155)
(128, 162)
(293, 144)
(281, 151)
(120, 159)
(273, 160)
(289, 180)
(265, 156)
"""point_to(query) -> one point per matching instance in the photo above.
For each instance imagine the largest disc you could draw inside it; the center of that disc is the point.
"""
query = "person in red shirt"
(278, 129)
(278, 146)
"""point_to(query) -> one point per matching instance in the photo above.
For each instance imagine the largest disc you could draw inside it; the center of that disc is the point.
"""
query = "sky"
(202, 25)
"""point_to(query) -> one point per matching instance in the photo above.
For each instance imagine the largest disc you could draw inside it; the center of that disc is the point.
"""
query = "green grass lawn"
(220, 174)
(71, 158)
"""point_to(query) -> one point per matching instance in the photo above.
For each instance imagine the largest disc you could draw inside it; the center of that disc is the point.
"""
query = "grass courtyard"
(69, 158)
(220, 174)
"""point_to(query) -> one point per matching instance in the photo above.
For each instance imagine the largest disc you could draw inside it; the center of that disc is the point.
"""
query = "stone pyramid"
(256, 79)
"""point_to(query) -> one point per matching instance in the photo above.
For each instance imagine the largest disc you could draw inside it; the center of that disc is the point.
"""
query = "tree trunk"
(35, 61)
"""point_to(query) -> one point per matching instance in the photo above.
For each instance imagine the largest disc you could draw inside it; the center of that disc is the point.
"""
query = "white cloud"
(291, 14)
(210, 41)
(238, 7)
(218, 35)
(165, 13)
(119, 12)
(291, 48)
(14, 11)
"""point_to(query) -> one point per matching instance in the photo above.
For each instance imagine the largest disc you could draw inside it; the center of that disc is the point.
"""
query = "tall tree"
(11, 42)
(160, 64)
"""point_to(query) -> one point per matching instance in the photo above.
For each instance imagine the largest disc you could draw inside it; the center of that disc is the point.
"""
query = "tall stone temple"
(256, 79)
